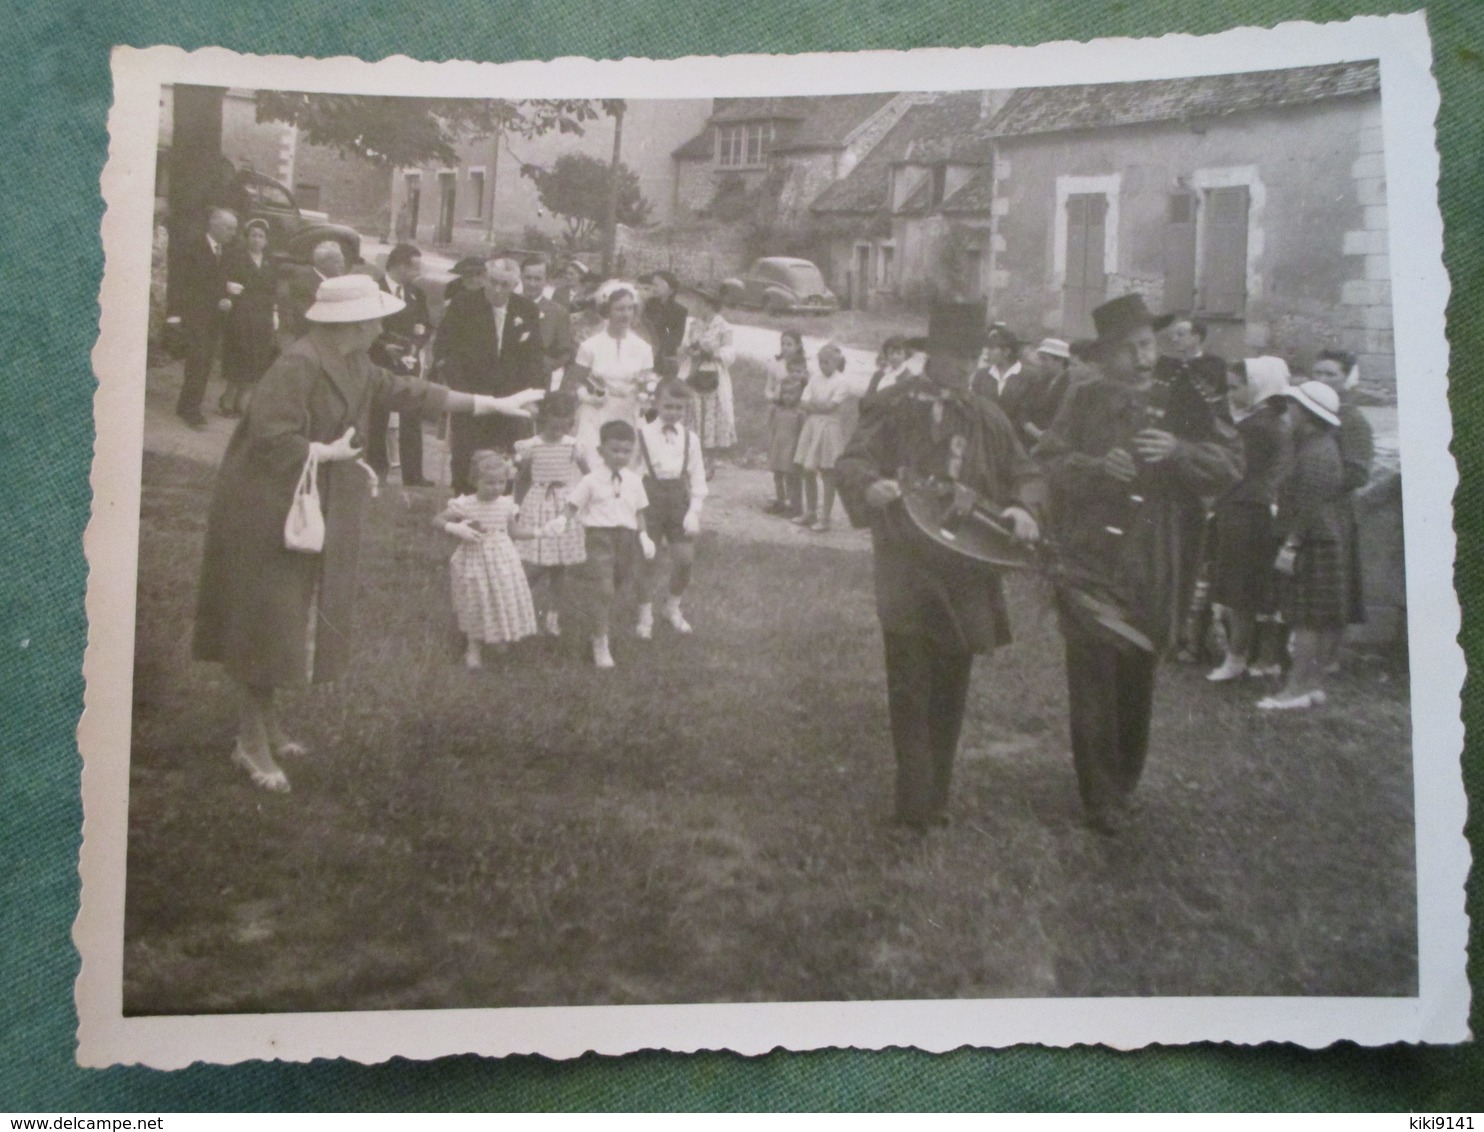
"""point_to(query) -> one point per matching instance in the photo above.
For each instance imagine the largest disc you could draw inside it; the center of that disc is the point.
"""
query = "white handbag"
(304, 529)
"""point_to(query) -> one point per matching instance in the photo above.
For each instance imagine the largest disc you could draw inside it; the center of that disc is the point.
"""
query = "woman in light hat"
(1311, 519)
(279, 618)
(1244, 542)
(613, 370)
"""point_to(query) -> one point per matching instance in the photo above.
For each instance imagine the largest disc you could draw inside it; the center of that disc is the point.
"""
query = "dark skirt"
(1243, 547)
(1316, 596)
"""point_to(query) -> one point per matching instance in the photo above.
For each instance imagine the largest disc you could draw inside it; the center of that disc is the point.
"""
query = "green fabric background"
(54, 98)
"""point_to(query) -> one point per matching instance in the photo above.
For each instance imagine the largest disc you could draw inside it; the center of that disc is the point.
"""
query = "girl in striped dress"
(549, 465)
(490, 595)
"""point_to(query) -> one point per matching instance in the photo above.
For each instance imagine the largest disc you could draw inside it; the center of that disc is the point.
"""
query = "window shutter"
(1224, 268)
(1180, 253)
(1086, 283)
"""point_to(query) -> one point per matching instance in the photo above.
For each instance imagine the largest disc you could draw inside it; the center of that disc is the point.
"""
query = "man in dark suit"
(327, 261)
(489, 342)
(399, 349)
(1188, 360)
(938, 608)
(557, 347)
(201, 294)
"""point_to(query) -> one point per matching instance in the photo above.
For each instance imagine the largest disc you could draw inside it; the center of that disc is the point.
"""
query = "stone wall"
(698, 253)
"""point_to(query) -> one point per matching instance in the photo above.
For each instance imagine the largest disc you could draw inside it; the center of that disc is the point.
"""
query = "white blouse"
(617, 363)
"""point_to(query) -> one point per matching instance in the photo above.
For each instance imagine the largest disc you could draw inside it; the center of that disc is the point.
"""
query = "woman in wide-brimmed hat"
(1312, 509)
(280, 618)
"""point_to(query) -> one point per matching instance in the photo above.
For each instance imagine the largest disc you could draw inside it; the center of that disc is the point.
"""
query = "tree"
(576, 189)
(400, 132)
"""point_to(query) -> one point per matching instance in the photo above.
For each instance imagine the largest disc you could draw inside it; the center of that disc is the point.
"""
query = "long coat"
(276, 617)
(922, 588)
(248, 343)
(1139, 541)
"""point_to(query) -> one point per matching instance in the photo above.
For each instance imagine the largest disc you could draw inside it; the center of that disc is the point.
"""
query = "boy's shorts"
(669, 500)
(613, 556)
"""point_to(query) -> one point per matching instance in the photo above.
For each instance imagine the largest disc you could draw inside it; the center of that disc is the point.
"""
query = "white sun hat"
(1318, 398)
(351, 298)
(1054, 348)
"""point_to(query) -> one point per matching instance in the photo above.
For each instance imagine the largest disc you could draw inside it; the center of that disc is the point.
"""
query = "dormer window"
(743, 144)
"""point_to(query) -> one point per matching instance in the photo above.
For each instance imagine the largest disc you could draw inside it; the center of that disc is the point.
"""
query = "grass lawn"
(704, 823)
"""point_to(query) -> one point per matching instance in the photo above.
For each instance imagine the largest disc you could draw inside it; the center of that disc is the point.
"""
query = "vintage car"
(292, 233)
(782, 285)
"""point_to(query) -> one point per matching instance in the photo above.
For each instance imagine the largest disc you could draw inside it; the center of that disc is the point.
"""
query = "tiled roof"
(1040, 110)
(702, 145)
(753, 109)
(832, 119)
(975, 195)
(866, 187)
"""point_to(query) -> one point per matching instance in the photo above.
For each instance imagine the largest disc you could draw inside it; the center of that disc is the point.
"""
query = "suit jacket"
(557, 346)
(203, 281)
(414, 321)
(470, 357)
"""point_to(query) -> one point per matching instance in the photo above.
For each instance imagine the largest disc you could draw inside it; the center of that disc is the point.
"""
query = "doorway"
(447, 190)
(1086, 277)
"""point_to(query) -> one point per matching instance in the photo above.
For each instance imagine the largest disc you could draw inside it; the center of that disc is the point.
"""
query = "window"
(940, 185)
(1205, 251)
(743, 143)
(476, 191)
(885, 262)
(308, 196)
(265, 194)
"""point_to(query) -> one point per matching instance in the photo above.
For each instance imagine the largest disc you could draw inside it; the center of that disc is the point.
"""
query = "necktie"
(499, 313)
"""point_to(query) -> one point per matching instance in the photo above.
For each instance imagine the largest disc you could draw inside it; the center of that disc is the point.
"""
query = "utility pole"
(493, 176)
(610, 223)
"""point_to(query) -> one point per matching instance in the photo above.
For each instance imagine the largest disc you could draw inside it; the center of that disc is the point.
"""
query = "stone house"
(483, 199)
(1257, 200)
(770, 158)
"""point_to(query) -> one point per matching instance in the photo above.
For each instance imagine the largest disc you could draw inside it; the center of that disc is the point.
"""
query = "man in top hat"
(1129, 458)
(938, 608)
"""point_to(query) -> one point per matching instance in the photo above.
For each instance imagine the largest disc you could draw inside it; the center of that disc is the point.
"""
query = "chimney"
(991, 102)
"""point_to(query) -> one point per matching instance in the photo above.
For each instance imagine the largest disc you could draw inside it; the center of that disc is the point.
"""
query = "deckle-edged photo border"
(1420, 292)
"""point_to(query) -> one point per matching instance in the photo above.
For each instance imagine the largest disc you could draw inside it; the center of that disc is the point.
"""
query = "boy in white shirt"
(674, 467)
(610, 503)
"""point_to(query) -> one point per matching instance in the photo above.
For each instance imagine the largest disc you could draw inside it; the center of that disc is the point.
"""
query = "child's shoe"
(644, 630)
(601, 656)
(675, 617)
(821, 527)
(553, 624)
(1231, 669)
(804, 520)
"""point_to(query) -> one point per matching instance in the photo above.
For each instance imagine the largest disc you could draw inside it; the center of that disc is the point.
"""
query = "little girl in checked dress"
(549, 466)
(490, 594)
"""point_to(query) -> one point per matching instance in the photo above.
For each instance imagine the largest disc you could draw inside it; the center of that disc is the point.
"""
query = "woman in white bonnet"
(613, 370)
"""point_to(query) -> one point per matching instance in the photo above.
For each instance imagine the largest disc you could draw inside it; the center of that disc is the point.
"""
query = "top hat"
(955, 329)
(1116, 319)
(351, 298)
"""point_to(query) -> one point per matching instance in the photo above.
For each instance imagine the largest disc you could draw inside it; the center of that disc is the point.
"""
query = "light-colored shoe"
(676, 619)
(807, 519)
(601, 656)
(644, 630)
(821, 527)
(1231, 668)
(1260, 671)
(274, 780)
(1292, 703)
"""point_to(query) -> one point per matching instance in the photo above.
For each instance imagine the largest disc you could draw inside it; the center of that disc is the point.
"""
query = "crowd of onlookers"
(1280, 574)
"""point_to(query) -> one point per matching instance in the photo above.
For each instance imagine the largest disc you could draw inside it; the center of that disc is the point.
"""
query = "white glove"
(342, 449)
(463, 532)
(646, 544)
(234, 288)
(554, 528)
(692, 523)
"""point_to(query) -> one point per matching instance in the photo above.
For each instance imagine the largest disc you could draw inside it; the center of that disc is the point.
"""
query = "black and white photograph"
(898, 550)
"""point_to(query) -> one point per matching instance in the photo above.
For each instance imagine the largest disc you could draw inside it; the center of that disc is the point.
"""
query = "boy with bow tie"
(675, 481)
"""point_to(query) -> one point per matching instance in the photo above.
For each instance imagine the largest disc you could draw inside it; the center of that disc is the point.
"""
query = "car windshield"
(804, 278)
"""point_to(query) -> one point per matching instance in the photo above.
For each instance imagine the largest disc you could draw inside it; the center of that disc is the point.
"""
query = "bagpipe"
(980, 532)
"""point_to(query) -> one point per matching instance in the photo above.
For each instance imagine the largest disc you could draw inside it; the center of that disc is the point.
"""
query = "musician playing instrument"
(938, 608)
(1130, 458)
